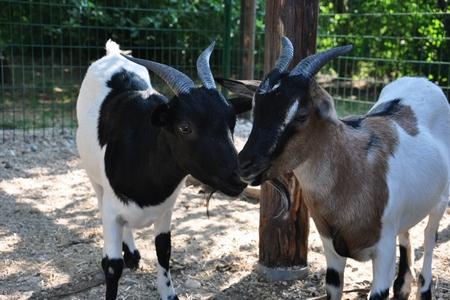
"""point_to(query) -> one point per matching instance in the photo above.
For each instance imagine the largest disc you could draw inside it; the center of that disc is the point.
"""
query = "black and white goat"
(366, 180)
(137, 148)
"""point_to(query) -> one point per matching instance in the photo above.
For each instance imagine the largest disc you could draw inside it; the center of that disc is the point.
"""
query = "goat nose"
(244, 164)
(236, 177)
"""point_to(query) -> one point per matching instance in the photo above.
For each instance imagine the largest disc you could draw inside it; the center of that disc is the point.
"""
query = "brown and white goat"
(367, 179)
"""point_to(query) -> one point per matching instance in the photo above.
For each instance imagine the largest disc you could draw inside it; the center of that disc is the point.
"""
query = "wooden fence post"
(283, 242)
(248, 16)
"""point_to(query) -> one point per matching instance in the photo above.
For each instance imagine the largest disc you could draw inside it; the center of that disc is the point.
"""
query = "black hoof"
(426, 295)
(131, 260)
(398, 284)
(113, 270)
(173, 298)
(380, 295)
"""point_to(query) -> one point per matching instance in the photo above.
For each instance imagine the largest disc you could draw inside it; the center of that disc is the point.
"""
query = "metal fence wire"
(46, 47)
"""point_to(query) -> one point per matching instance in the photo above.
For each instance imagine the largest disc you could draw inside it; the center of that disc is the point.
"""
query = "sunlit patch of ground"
(51, 239)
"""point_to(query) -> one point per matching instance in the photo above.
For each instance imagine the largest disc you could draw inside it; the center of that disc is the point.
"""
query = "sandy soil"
(50, 239)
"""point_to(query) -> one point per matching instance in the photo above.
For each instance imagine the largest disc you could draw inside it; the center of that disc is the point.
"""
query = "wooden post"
(248, 15)
(283, 242)
(247, 41)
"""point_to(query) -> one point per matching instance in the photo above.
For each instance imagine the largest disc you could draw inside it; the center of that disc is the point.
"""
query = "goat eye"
(184, 129)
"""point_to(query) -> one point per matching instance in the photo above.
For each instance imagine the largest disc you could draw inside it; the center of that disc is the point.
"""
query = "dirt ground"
(51, 239)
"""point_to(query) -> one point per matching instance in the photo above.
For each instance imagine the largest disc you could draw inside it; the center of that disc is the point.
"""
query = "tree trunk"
(248, 15)
(283, 241)
(296, 19)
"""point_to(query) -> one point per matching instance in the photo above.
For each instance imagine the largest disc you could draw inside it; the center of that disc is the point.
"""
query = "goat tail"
(112, 48)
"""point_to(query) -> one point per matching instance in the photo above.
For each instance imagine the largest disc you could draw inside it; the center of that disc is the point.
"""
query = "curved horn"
(285, 58)
(178, 82)
(309, 66)
(286, 54)
(203, 68)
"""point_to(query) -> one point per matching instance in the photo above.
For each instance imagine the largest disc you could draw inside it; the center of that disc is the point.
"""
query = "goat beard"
(279, 185)
(208, 198)
(285, 196)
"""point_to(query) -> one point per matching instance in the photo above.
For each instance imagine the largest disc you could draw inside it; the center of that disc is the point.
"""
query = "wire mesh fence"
(391, 39)
(46, 47)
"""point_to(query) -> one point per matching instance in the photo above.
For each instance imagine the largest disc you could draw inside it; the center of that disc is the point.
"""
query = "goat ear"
(323, 103)
(243, 88)
(241, 104)
(160, 115)
(326, 110)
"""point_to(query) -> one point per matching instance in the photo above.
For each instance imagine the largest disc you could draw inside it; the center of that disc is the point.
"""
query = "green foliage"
(399, 37)
(82, 27)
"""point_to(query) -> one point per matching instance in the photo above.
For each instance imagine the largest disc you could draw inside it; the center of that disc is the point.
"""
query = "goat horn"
(178, 82)
(203, 68)
(286, 54)
(309, 66)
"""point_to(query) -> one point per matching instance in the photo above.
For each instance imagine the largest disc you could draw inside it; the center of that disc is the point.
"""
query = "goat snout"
(252, 168)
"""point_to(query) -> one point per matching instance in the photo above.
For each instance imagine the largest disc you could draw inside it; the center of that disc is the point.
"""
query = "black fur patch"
(353, 121)
(421, 280)
(381, 295)
(131, 260)
(332, 278)
(374, 141)
(427, 294)
(387, 108)
(286, 136)
(122, 83)
(168, 283)
(384, 109)
(340, 246)
(403, 268)
(124, 127)
(163, 249)
(112, 278)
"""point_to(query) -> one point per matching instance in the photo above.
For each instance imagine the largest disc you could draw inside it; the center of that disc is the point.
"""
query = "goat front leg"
(163, 251)
(131, 255)
(383, 266)
(425, 277)
(334, 279)
(112, 262)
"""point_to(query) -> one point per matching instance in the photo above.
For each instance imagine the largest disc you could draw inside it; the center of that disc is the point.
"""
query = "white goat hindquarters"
(429, 104)
(416, 178)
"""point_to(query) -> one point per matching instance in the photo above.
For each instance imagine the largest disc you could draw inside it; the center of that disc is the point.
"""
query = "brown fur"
(406, 119)
(342, 171)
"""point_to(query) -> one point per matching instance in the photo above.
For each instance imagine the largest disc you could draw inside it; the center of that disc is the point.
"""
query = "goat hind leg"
(425, 277)
(112, 262)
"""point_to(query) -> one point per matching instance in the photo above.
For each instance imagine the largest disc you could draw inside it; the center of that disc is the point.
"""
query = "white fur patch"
(288, 118)
(275, 86)
(291, 113)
